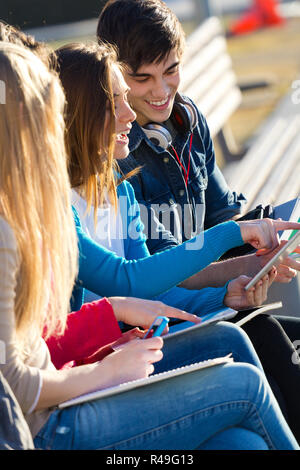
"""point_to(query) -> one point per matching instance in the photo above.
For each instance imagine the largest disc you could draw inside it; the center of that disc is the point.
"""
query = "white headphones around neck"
(184, 117)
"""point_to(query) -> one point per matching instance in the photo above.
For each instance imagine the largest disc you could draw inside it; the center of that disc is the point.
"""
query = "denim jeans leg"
(194, 345)
(183, 412)
(235, 439)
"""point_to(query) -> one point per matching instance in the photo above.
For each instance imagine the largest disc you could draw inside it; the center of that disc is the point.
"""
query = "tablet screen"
(286, 250)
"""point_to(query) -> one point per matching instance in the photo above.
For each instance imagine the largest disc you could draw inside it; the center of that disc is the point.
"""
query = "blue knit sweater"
(139, 274)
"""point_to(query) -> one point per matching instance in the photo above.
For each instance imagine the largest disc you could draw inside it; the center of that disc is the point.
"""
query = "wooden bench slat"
(213, 97)
(223, 111)
(209, 79)
(292, 189)
(280, 176)
(201, 36)
(242, 172)
(197, 66)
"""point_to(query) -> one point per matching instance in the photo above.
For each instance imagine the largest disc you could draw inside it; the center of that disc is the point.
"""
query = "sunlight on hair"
(35, 190)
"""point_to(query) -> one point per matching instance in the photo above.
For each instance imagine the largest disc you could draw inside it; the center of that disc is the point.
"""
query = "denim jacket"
(172, 211)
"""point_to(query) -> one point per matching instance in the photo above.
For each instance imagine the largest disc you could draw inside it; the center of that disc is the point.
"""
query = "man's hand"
(288, 268)
(237, 298)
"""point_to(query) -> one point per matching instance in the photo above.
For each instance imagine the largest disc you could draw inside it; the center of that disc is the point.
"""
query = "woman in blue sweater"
(114, 256)
(114, 259)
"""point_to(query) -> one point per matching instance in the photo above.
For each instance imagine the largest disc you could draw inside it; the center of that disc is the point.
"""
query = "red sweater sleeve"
(87, 330)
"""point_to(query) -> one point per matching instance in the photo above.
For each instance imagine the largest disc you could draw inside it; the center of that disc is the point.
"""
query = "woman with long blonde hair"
(34, 191)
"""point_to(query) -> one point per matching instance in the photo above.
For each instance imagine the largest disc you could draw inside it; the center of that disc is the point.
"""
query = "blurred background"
(268, 56)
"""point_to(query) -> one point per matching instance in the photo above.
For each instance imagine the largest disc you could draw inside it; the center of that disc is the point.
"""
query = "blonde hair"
(35, 191)
(14, 35)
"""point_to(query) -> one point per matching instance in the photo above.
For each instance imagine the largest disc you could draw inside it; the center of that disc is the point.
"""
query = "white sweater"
(23, 375)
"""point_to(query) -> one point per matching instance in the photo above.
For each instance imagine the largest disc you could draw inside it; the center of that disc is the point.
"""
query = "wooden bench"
(210, 81)
(269, 173)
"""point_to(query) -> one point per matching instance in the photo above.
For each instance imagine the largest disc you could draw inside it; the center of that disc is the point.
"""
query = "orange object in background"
(263, 13)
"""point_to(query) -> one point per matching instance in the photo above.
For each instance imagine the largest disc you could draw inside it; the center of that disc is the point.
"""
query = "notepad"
(97, 395)
(258, 311)
(208, 319)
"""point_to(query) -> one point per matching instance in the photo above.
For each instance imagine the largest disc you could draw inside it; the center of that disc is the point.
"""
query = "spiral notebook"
(181, 326)
(147, 381)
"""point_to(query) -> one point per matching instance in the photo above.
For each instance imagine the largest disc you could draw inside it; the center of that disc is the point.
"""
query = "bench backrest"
(208, 77)
(269, 173)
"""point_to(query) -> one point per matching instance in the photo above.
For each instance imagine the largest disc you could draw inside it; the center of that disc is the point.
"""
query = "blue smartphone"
(157, 327)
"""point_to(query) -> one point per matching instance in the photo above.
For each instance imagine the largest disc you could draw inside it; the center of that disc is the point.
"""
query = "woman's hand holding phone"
(158, 327)
(131, 361)
(132, 358)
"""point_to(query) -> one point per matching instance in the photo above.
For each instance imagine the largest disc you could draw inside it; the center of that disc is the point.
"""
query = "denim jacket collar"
(136, 136)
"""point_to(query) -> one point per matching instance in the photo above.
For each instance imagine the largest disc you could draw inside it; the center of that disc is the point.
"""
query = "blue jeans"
(223, 407)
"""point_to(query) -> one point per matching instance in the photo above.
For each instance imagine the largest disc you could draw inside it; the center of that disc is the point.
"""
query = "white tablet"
(286, 250)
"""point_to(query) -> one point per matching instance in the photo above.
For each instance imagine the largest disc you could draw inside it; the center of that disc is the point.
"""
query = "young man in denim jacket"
(179, 187)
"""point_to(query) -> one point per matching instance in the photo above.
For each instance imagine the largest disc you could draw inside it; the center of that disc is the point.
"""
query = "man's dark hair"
(143, 31)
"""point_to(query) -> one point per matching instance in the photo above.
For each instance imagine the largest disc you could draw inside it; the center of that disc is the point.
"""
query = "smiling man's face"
(153, 88)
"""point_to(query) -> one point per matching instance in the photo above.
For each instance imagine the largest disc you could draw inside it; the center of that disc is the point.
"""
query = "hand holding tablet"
(291, 246)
